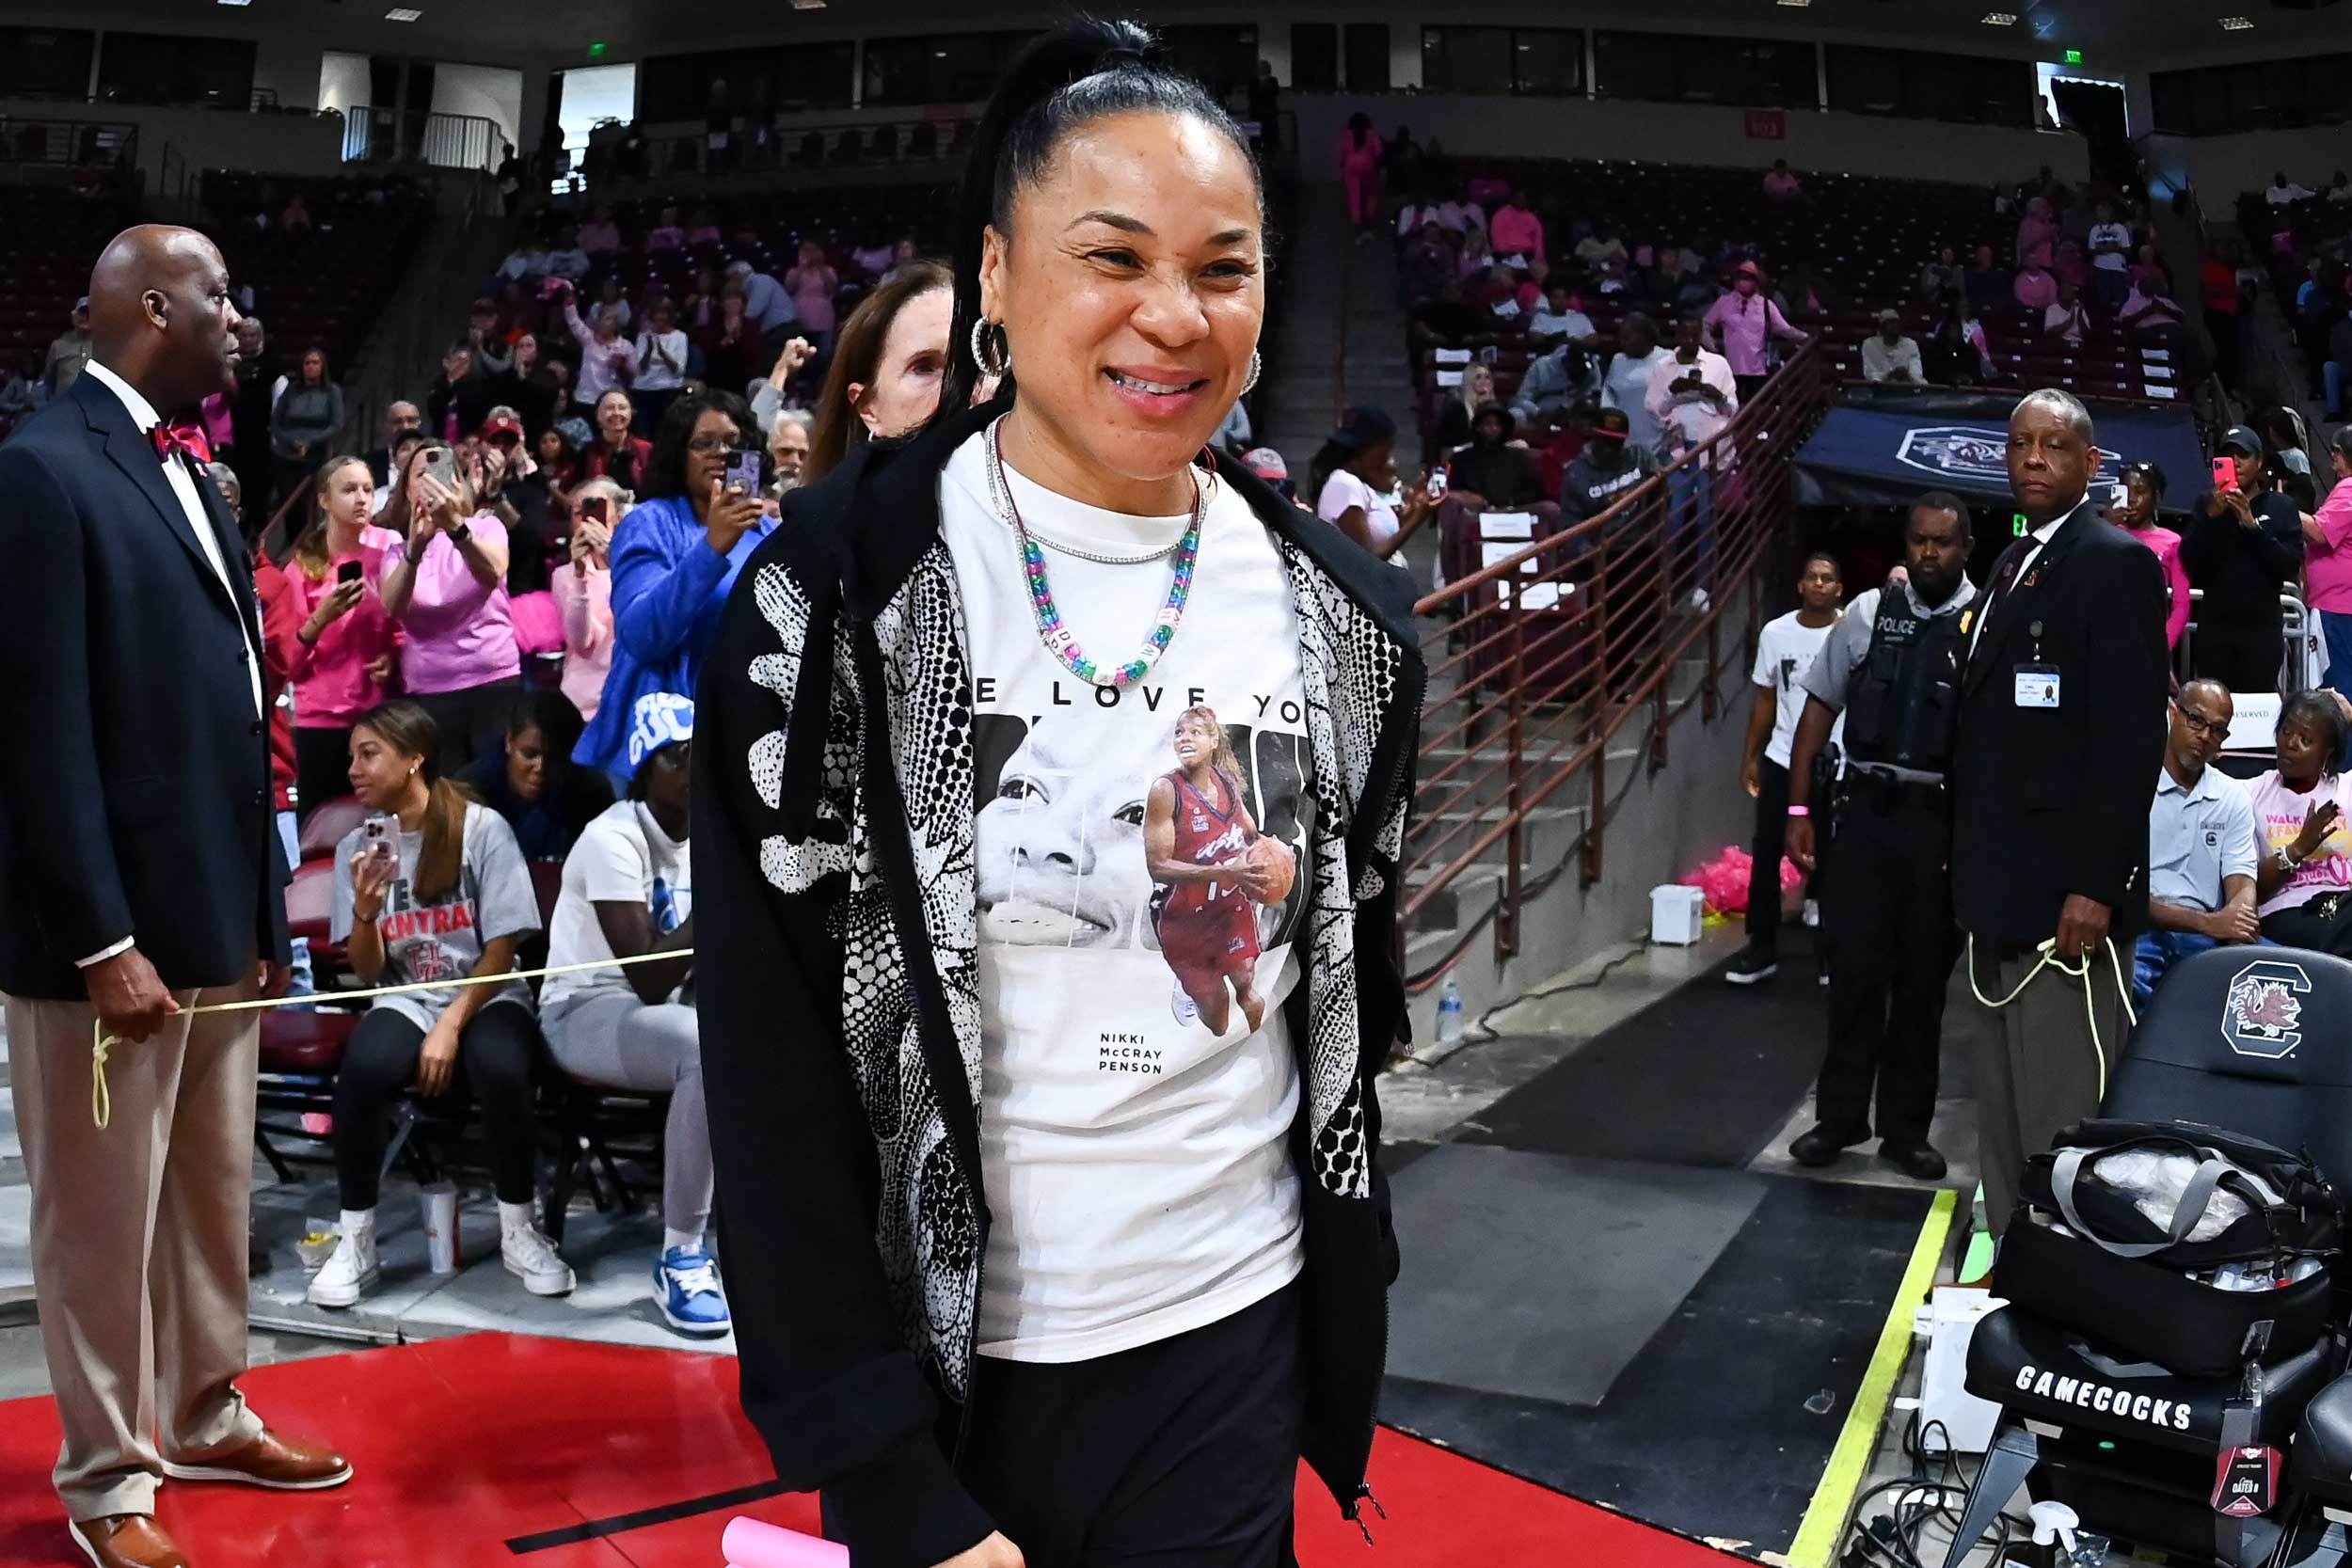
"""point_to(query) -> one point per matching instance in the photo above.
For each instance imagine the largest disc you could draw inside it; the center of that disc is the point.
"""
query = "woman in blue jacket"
(674, 560)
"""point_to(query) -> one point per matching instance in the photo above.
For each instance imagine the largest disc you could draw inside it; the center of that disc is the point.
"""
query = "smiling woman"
(1109, 1123)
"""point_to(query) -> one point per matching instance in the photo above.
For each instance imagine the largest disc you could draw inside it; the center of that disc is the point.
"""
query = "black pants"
(2323, 926)
(1180, 1454)
(1888, 914)
(322, 768)
(472, 722)
(2242, 659)
(1772, 838)
(1748, 385)
(493, 1062)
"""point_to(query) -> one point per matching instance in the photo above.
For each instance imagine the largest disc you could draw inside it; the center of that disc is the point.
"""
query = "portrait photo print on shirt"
(1062, 840)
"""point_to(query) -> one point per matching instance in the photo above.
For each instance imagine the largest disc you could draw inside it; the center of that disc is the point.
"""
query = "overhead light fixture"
(2237, 24)
(808, 4)
(2000, 19)
(1799, 4)
(402, 13)
(236, 2)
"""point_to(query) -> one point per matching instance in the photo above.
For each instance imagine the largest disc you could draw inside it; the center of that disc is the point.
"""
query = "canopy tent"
(1885, 446)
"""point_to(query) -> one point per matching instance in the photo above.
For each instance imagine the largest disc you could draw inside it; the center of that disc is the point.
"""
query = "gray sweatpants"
(612, 1038)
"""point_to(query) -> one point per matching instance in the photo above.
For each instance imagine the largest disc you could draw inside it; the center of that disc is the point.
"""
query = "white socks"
(359, 1222)
(514, 1217)
(692, 1239)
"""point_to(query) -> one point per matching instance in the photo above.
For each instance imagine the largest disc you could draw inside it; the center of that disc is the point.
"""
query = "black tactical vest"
(1904, 706)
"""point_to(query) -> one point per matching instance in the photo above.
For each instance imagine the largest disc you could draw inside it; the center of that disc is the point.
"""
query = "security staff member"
(1893, 665)
(2062, 726)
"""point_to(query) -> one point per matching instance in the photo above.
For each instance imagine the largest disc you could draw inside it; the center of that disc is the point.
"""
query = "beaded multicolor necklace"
(1049, 629)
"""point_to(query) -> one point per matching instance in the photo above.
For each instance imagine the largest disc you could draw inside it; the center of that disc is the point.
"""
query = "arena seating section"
(1866, 240)
(47, 238)
(325, 285)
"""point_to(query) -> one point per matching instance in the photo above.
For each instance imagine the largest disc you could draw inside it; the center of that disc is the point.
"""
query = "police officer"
(1893, 664)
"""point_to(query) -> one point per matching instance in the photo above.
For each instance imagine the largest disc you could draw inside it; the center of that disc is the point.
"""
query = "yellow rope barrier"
(102, 1104)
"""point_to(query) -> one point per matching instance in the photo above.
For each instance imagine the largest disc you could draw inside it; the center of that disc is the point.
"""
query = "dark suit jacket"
(134, 780)
(2047, 803)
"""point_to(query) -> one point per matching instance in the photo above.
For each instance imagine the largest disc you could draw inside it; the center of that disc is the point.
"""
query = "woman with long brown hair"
(445, 584)
(887, 363)
(432, 888)
(333, 639)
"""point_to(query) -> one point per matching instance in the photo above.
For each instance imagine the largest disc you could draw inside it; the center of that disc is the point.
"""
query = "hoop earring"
(980, 349)
(1249, 382)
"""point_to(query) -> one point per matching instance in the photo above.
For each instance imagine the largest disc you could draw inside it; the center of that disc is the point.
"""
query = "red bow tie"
(184, 438)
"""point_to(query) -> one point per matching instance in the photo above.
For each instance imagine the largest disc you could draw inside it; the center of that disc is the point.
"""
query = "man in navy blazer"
(140, 877)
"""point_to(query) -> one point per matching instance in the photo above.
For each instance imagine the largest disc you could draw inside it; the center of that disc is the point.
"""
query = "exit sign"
(2073, 56)
(595, 51)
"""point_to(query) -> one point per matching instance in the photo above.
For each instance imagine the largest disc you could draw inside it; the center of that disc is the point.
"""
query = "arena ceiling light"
(2000, 19)
(808, 4)
(402, 13)
(236, 2)
(1798, 3)
(2237, 24)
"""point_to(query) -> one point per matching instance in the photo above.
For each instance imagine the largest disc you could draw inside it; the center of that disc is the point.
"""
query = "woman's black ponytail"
(1079, 72)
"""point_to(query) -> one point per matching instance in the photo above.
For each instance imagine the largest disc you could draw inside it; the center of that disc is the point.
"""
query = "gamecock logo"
(2263, 1015)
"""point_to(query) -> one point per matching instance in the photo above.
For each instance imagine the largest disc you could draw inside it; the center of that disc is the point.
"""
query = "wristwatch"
(461, 532)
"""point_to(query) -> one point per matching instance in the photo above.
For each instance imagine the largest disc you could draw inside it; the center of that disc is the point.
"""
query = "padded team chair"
(2256, 1040)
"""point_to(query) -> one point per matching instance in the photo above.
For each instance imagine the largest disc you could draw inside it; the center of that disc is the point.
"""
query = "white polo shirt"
(2199, 834)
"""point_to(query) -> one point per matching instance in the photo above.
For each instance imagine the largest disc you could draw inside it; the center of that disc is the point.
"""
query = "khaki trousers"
(139, 1239)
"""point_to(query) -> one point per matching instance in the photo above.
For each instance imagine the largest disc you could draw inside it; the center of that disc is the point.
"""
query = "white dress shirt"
(182, 482)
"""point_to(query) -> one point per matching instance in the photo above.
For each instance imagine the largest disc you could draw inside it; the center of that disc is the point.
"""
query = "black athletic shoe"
(1751, 968)
(1920, 1161)
(1824, 1144)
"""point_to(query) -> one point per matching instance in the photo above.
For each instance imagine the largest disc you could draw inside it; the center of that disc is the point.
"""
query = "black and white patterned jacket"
(836, 980)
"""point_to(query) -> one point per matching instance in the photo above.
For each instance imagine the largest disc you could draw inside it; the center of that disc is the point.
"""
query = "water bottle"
(1450, 1014)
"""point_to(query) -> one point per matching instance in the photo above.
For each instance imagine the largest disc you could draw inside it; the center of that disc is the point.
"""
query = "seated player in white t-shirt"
(628, 891)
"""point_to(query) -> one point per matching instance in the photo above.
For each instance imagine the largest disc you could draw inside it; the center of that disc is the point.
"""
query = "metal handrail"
(66, 140)
(1539, 698)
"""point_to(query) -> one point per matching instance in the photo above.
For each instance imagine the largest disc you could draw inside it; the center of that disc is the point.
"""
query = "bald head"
(161, 316)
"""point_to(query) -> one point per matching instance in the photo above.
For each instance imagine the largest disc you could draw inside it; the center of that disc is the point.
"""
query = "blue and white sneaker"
(686, 1288)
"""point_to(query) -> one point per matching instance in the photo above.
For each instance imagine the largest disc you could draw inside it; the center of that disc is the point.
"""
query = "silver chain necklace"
(1000, 491)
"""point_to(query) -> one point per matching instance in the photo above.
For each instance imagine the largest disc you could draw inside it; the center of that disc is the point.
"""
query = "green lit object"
(2106, 1445)
(2017, 525)
(595, 51)
(2073, 56)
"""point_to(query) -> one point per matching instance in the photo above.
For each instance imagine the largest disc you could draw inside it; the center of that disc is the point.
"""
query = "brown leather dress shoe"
(280, 1464)
(127, 1541)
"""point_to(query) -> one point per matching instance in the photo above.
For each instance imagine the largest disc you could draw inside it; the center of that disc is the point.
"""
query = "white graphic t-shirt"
(623, 857)
(1141, 880)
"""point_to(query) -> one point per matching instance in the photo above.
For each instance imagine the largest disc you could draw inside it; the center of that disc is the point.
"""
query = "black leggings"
(472, 722)
(322, 768)
(493, 1061)
(2306, 926)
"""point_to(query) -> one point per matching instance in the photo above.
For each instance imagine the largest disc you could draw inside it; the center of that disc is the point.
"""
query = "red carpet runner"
(549, 1453)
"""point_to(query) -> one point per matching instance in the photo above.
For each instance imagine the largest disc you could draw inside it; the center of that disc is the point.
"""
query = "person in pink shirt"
(1779, 183)
(445, 585)
(2328, 562)
(2300, 810)
(812, 285)
(2143, 492)
(1359, 154)
(1514, 229)
(666, 235)
(1741, 325)
(335, 643)
(2036, 289)
(2036, 234)
(584, 593)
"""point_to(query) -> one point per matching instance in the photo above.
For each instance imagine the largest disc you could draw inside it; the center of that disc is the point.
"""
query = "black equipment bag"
(2126, 1282)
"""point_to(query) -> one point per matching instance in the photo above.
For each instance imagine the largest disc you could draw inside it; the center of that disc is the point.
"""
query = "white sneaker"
(349, 1275)
(1187, 1011)
(1813, 913)
(531, 1258)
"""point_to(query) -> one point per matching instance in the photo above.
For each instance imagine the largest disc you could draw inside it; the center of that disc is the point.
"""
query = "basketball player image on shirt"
(1211, 870)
